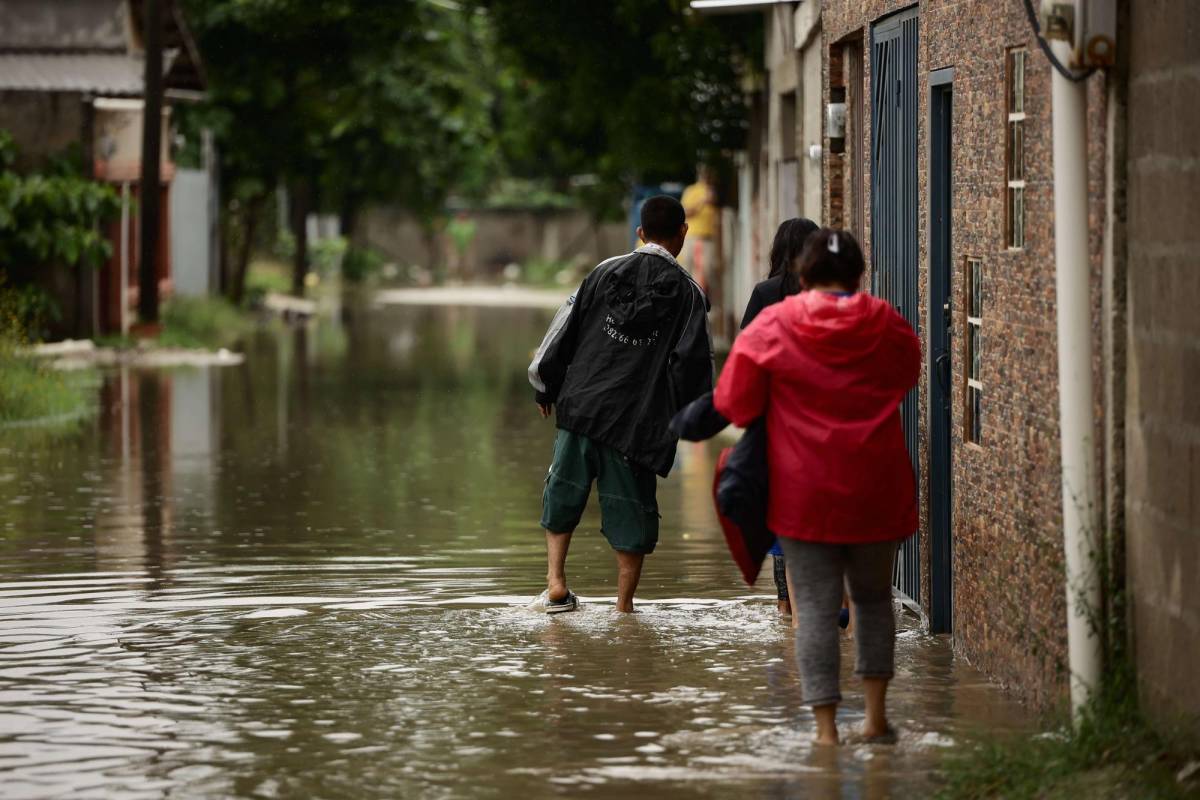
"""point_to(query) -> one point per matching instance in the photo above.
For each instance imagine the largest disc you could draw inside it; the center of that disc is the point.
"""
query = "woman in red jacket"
(829, 368)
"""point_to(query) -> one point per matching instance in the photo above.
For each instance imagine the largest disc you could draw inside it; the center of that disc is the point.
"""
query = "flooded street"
(307, 576)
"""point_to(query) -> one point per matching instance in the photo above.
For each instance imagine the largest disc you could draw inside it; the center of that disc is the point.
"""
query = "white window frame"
(1014, 227)
(972, 273)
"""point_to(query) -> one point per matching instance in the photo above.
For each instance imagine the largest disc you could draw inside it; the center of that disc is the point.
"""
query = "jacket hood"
(640, 296)
(841, 329)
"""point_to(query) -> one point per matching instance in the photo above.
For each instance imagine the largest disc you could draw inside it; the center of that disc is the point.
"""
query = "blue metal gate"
(895, 250)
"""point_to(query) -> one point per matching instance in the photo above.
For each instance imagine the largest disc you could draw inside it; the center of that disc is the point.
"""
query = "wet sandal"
(568, 603)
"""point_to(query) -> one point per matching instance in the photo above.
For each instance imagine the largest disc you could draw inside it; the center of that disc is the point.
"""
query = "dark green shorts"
(628, 505)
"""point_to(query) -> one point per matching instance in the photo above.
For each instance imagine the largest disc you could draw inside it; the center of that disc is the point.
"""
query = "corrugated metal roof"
(103, 73)
(62, 25)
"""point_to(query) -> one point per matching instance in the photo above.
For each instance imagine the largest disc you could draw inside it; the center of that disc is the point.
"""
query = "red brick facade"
(1009, 598)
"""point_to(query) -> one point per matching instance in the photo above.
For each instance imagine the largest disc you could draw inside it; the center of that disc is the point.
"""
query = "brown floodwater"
(308, 576)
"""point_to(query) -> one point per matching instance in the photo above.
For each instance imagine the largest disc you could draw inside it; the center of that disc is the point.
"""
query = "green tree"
(345, 102)
(51, 217)
(48, 218)
(626, 90)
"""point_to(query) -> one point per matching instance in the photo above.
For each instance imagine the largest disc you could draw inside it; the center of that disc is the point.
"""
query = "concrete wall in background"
(501, 238)
(1163, 412)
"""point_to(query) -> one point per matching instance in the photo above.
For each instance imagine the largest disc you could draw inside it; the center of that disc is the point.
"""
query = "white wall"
(191, 228)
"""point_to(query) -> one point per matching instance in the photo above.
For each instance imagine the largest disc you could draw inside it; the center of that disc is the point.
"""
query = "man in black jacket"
(620, 358)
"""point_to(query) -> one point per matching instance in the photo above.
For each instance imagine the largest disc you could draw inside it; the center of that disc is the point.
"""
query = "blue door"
(941, 568)
(895, 251)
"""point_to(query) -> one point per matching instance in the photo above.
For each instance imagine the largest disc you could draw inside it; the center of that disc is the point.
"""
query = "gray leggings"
(819, 571)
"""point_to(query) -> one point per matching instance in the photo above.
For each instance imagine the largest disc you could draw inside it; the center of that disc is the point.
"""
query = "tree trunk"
(429, 234)
(300, 198)
(224, 261)
(241, 264)
(348, 218)
(151, 189)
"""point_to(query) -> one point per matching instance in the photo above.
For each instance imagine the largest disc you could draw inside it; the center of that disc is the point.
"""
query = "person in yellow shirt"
(699, 249)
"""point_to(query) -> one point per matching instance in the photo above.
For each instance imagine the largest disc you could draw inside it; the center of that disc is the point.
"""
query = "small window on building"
(1014, 212)
(973, 413)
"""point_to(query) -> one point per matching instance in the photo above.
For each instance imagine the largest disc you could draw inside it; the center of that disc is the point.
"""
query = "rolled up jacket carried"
(740, 483)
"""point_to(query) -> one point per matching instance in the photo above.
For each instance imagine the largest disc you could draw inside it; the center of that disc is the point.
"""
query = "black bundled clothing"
(627, 352)
(740, 489)
(741, 484)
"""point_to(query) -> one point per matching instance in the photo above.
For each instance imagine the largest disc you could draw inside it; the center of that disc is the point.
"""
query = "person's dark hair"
(831, 257)
(662, 217)
(788, 244)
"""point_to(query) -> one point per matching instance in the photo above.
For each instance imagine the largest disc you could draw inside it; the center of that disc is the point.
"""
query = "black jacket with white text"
(625, 353)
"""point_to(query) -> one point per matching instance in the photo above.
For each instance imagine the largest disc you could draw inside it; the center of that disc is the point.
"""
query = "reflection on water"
(306, 576)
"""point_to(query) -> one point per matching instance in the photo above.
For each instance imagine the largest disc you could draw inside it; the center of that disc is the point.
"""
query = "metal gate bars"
(894, 197)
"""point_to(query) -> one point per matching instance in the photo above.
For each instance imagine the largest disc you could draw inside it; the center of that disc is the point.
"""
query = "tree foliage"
(625, 90)
(51, 217)
(346, 102)
(353, 102)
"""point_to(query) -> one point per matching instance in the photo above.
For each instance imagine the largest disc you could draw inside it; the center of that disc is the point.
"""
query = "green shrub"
(33, 309)
(543, 271)
(285, 246)
(361, 263)
(29, 388)
(326, 254)
(54, 217)
(1112, 752)
(201, 322)
(266, 277)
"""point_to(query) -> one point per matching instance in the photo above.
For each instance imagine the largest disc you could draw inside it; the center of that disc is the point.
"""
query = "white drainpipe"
(1076, 412)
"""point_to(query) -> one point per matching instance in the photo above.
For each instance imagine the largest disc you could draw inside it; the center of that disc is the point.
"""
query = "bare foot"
(557, 590)
(785, 608)
(625, 608)
(826, 717)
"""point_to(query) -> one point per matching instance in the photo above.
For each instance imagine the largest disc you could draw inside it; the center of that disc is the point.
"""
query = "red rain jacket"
(829, 372)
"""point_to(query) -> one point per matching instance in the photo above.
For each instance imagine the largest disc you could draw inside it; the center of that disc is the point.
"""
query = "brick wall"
(1163, 411)
(1009, 599)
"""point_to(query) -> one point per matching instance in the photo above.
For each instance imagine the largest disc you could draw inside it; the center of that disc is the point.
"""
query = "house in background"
(935, 126)
(71, 75)
(947, 172)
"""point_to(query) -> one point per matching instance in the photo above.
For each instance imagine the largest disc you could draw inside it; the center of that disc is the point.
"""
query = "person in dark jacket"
(622, 355)
(782, 281)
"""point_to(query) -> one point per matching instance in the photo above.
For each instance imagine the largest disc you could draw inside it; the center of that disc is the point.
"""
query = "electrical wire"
(1062, 69)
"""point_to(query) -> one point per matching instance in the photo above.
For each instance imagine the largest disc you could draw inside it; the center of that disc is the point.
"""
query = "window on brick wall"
(1014, 193)
(973, 413)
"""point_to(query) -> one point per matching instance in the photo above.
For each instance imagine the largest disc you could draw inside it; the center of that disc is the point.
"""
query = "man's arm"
(548, 369)
(691, 361)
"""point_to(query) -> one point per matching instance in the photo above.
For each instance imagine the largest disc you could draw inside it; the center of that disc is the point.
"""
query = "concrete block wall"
(502, 237)
(1163, 388)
